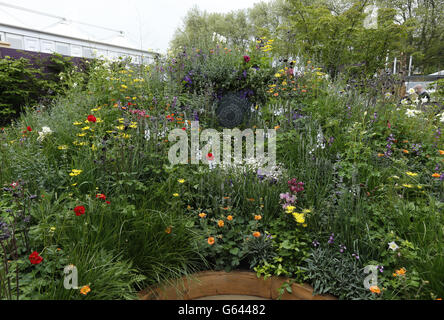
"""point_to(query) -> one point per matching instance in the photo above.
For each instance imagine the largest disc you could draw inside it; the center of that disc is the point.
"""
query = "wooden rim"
(214, 283)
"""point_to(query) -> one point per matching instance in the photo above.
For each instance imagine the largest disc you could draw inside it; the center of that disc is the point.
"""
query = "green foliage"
(23, 83)
(336, 273)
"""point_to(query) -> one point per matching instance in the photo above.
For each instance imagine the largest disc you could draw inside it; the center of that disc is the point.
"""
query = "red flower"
(29, 128)
(91, 118)
(34, 258)
(79, 210)
(107, 202)
(184, 129)
(101, 196)
(210, 156)
(246, 59)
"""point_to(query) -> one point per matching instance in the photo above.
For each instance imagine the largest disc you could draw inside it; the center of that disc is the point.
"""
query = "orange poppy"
(229, 218)
(220, 223)
(258, 217)
(256, 234)
(210, 241)
(202, 215)
(375, 289)
(436, 175)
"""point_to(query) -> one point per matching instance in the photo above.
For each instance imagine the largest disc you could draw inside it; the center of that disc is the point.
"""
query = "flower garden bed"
(352, 207)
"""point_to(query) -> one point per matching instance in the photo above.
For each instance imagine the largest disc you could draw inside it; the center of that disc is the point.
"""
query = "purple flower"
(381, 268)
(315, 243)
(331, 239)
(342, 248)
(356, 256)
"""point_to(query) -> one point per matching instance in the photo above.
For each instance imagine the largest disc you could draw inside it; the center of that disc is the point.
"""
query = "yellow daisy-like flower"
(85, 128)
(290, 209)
(63, 147)
(77, 123)
(277, 75)
(121, 120)
(122, 127)
(299, 217)
(124, 86)
(133, 125)
(81, 134)
(75, 172)
(98, 120)
(85, 290)
(181, 180)
(407, 185)
(411, 174)
(306, 211)
(93, 147)
(175, 195)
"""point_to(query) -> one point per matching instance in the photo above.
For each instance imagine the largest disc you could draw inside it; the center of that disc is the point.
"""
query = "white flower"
(393, 246)
(424, 100)
(388, 95)
(42, 134)
(442, 117)
(411, 91)
(412, 113)
(46, 130)
(404, 101)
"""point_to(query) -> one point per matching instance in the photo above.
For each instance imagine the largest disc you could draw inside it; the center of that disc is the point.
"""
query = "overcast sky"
(153, 21)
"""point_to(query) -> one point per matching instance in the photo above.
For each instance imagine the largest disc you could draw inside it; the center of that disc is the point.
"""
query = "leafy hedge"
(24, 82)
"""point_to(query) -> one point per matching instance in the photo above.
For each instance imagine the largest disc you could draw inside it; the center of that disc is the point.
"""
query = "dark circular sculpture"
(232, 110)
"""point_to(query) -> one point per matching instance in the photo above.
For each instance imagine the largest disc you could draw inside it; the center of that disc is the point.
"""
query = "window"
(76, 51)
(16, 41)
(62, 48)
(32, 44)
(87, 52)
(47, 46)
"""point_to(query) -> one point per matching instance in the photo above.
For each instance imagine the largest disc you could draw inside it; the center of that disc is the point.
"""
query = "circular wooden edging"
(214, 283)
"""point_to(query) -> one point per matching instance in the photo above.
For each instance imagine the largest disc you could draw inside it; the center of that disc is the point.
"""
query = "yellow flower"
(306, 211)
(441, 152)
(299, 217)
(230, 218)
(98, 120)
(220, 223)
(133, 125)
(122, 127)
(75, 172)
(407, 185)
(411, 174)
(124, 86)
(277, 75)
(121, 120)
(125, 136)
(85, 290)
(175, 195)
(93, 148)
(290, 209)
(85, 128)
(63, 147)
(258, 217)
(202, 215)
(181, 180)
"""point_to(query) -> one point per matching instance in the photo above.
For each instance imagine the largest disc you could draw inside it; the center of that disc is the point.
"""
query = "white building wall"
(37, 41)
